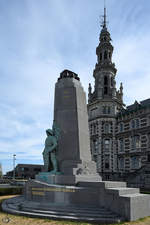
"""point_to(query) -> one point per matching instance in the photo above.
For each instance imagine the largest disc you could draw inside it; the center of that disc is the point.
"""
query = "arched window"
(105, 80)
(100, 56)
(105, 55)
(106, 144)
(105, 90)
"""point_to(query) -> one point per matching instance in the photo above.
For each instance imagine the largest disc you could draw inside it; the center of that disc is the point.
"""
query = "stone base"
(89, 201)
(66, 179)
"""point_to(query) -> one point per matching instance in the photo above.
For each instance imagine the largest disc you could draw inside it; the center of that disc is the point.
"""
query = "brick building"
(26, 171)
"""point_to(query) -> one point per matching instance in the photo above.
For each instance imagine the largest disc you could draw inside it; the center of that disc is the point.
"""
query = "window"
(106, 144)
(121, 145)
(24, 169)
(105, 80)
(132, 124)
(106, 162)
(105, 55)
(135, 142)
(121, 127)
(37, 169)
(95, 146)
(134, 162)
(105, 90)
(104, 109)
(121, 163)
(100, 56)
(107, 128)
(94, 128)
(137, 123)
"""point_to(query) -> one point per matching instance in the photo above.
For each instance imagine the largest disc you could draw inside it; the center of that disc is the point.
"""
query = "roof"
(136, 106)
(34, 165)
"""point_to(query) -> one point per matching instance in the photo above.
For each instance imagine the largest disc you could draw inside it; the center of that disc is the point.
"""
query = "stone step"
(102, 216)
(100, 220)
(69, 209)
(105, 217)
(113, 184)
(87, 214)
(123, 191)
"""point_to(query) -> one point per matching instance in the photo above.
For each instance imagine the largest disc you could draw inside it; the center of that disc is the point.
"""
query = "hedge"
(10, 190)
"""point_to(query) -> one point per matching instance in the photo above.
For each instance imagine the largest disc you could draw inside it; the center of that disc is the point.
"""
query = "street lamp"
(14, 158)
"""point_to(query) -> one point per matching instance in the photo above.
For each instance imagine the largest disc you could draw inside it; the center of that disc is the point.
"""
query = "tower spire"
(104, 25)
(104, 22)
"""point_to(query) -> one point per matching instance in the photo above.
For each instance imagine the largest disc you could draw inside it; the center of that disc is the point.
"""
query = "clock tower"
(104, 102)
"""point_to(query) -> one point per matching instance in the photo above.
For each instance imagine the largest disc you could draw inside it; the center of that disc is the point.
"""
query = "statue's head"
(49, 132)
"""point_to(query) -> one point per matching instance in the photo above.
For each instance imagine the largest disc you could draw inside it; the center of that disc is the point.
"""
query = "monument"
(70, 135)
(70, 188)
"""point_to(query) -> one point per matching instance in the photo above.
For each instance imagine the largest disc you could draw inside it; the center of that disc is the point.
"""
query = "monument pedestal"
(102, 202)
(66, 179)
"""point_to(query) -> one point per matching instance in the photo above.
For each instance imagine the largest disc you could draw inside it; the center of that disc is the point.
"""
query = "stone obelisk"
(70, 114)
(73, 148)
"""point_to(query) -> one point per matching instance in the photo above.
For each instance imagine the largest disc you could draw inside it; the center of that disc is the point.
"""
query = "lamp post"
(14, 158)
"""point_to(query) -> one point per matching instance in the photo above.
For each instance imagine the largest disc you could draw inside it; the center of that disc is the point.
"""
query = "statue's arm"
(54, 144)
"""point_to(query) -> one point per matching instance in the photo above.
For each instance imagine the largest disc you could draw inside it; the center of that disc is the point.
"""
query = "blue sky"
(39, 39)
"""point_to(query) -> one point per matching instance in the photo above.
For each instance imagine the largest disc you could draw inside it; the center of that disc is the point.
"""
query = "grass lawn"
(22, 220)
